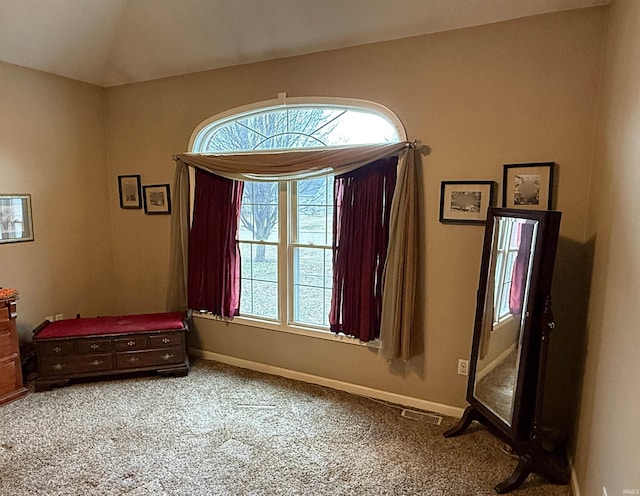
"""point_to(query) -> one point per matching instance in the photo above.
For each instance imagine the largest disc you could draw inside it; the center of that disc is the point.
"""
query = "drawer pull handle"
(134, 359)
(58, 366)
(131, 343)
(94, 346)
(167, 356)
(166, 340)
(95, 363)
(57, 349)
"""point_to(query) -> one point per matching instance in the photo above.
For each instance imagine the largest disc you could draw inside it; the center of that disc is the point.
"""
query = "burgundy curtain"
(360, 238)
(520, 268)
(214, 256)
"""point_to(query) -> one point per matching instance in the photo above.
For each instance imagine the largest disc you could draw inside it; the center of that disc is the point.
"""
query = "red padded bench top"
(112, 325)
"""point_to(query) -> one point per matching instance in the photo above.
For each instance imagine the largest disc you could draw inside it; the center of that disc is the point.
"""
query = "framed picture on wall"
(130, 192)
(16, 223)
(157, 199)
(465, 202)
(528, 186)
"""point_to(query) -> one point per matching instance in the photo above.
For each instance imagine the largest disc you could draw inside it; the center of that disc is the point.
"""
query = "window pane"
(245, 229)
(502, 230)
(265, 263)
(313, 279)
(514, 241)
(309, 306)
(328, 269)
(259, 280)
(266, 125)
(511, 258)
(312, 191)
(356, 127)
(261, 194)
(309, 266)
(247, 193)
(315, 211)
(290, 141)
(329, 229)
(299, 127)
(233, 137)
(312, 225)
(259, 213)
(246, 297)
(327, 306)
(246, 265)
(498, 277)
(504, 303)
(265, 299)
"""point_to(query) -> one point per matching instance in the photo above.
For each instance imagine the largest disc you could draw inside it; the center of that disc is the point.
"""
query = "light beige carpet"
(228, 431)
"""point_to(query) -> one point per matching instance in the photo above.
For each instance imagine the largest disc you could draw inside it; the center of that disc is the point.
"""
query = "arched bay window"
(287, 162)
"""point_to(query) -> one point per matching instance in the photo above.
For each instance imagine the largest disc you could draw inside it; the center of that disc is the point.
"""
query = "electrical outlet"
(463, 367)
(58, 316)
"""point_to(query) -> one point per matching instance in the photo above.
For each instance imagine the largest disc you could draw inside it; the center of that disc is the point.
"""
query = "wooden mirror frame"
(525, 434)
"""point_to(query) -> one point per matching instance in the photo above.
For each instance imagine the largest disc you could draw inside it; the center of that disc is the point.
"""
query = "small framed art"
(528, 186)
(465, 202)
(16, 223)
(130, 193)
(157, 199)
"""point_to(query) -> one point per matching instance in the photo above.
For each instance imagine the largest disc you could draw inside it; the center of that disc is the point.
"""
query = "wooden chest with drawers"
(11, 386)
(106, 346)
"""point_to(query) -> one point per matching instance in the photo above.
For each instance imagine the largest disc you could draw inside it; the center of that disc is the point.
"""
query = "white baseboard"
(496, 361)
(378, 394)
(575, 489)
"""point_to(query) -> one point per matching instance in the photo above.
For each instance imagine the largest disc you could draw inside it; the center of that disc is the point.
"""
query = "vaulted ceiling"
(114, 42)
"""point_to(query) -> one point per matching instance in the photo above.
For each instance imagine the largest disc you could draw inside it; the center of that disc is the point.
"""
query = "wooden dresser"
(106, 346)
(11, 387)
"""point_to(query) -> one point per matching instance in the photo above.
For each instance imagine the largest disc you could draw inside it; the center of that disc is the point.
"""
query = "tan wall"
(52, 146)
(607, 450)
(518, 91)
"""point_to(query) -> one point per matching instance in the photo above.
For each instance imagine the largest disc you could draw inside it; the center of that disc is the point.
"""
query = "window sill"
(295, 329)
(501, 323)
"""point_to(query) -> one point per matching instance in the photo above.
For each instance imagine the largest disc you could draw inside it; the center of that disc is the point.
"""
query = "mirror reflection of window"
(513, 243)
(513, 251)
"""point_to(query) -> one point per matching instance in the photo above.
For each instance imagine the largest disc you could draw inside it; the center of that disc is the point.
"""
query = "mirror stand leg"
(470, 414)
(522, 471)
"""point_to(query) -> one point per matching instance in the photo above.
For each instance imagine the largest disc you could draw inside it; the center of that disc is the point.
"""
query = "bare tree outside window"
(265, 270)
(284, 129)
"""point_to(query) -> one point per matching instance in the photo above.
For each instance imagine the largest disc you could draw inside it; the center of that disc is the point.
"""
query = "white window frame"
(501, 275)
(285, 245)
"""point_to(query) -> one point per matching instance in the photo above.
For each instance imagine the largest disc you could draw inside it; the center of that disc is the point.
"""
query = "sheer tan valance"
(401, 267)
(290, 165)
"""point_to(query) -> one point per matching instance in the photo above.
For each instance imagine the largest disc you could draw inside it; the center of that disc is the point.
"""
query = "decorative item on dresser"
(106, 346)
(11, 387)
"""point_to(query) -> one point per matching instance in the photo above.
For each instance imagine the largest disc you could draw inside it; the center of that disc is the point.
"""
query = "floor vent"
(431, 418)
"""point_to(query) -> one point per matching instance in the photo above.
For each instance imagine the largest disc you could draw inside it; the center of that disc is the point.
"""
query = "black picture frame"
(528, 186)
(466, 202)
(16, 219)
(157, 199)
(130, 191)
